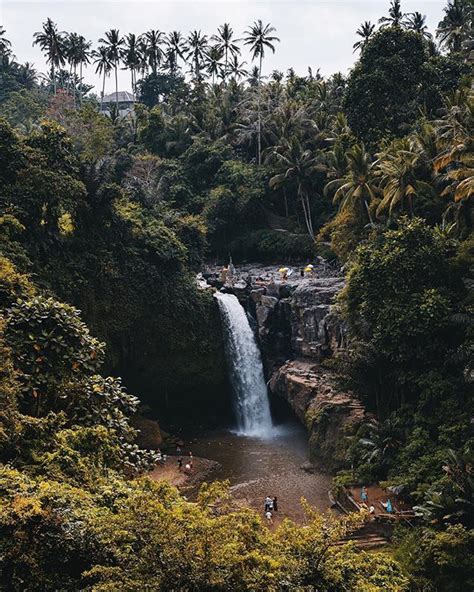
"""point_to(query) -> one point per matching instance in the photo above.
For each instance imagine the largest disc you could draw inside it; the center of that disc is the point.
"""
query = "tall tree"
(395, 15)
(356, 188)
(71, 43)
(176, 49)
(237, 69)
(456, 25)
(153, 51)
(5, 44)
(114, 44)
(259, 37)
(51, 42)
(224, 42)
(213, 59)
(83, 58)
(365, 31)
(197, 49)
(417, 22)
(299, 166)
(103, 65)
(131, 58)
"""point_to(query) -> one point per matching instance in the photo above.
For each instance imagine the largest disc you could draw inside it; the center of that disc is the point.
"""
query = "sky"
(316, 33)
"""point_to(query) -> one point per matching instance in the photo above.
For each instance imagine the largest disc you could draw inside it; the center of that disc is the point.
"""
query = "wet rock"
(329, 413)
(149, 434)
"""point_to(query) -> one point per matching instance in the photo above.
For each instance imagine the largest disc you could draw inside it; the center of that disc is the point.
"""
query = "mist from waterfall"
(245, 369)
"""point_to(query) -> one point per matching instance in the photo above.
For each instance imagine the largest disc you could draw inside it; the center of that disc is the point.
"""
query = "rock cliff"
(298, 326)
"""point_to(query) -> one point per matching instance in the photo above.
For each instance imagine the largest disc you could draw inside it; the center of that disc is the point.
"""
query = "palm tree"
(417, 22)
(395, 15)
(71, 43)
(83, 57)
(114, 44)
(5, 44)
(103, 67)
(213, 58)
(197, 49)
(456, 25)
(365, 31)
(153, 53)
(397, 168)
(356, 187)
(260, 38)
(26, 75)
(225, 44)
(176, 48)
(236, 68)
(300, 166)
(52, 43)
(131, 57)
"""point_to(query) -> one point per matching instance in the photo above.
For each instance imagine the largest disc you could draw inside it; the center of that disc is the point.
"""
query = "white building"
(126, 102)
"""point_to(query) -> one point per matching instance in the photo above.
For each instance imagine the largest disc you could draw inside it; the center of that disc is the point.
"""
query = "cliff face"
(298, 327)
(328, 413)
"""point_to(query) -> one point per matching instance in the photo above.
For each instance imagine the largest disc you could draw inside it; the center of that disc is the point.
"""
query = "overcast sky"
(316, 33)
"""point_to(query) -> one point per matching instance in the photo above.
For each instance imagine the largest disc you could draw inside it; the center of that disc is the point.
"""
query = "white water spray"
(245, 369)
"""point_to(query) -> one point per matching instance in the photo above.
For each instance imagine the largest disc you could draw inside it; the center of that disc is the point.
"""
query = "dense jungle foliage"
(105, 218)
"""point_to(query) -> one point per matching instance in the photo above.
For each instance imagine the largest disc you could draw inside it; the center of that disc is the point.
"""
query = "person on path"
(268, 504)
(363, 495)
(268, 516)
(275, 504)
(180, 463)
(191, 459)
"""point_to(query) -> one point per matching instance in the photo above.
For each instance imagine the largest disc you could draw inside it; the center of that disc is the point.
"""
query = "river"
(259, 467)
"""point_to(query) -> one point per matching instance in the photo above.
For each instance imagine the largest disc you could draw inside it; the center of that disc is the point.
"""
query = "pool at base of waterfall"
(257, 467)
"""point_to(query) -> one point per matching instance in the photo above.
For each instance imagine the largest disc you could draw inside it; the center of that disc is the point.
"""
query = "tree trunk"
(103, 91)
(368, 212)
(53, 77)
(74, 86)
(116, 89)
(259, 122)
(80, 83)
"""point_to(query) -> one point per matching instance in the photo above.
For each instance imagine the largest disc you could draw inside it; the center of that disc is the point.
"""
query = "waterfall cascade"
(245, 368)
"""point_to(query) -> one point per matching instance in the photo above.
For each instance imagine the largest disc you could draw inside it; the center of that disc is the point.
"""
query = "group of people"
(364, 502)
(286, 272)
(270, 506)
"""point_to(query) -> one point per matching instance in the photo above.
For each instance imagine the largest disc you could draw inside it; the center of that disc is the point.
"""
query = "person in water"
(275, 504)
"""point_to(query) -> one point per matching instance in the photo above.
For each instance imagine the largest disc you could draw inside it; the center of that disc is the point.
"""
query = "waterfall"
(245, 369)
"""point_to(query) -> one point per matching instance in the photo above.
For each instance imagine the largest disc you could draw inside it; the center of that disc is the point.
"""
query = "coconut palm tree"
(395, 15)
(417, 22)
(259, 37)
(5, 44)
(114, 44)
(51, 42)
(213, 62)
(365, 31)
(83, 58)
(103, 65)
(131, 57)
(154, 54)
(176, 49)
(224, 43)
(197, 49)
(397, 169)
(356, 188)
(456, 25)
(27, 75)
(299, 167)
(236, 68)
(71, 43)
